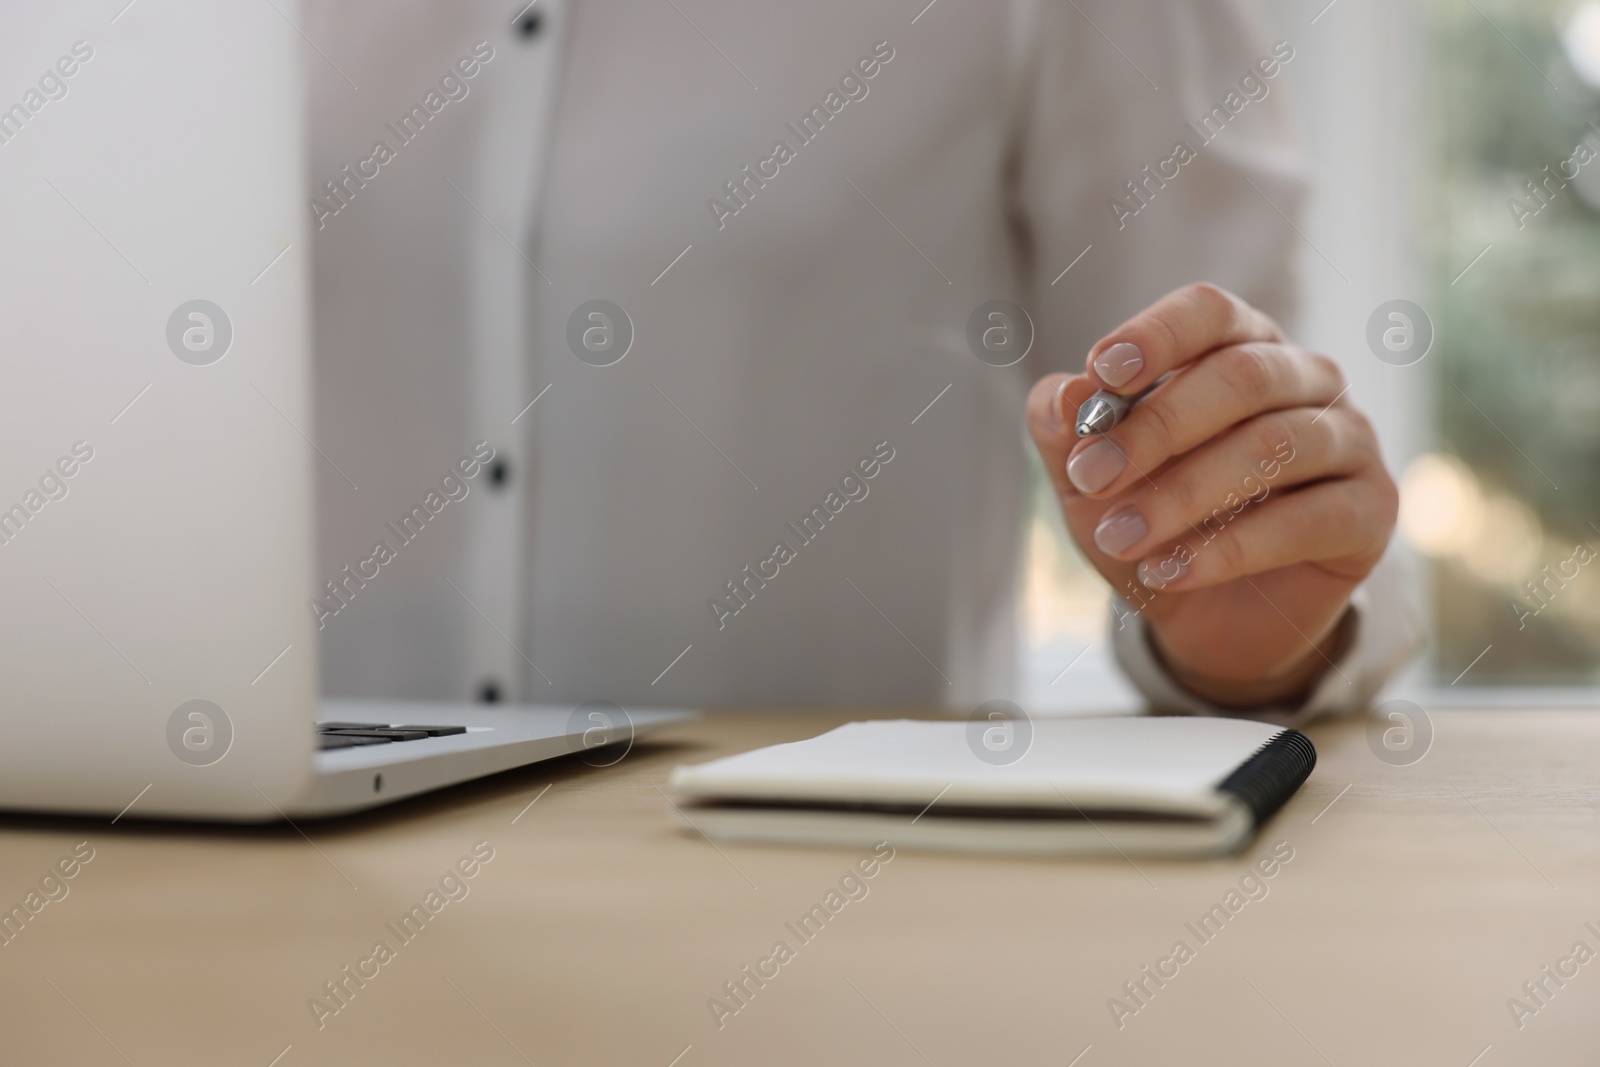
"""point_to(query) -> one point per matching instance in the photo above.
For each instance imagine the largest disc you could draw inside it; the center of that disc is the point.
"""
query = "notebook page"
(1166, 764)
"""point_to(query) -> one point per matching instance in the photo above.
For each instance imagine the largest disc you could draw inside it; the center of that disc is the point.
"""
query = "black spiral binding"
(1266, 781)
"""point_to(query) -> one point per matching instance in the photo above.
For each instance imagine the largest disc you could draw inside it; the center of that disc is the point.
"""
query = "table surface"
(1418, 901)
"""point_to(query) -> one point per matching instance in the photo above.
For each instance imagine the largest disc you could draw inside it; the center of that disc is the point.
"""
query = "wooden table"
(1418, 901)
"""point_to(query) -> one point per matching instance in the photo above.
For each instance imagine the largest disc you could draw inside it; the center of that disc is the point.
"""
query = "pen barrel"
(1119, 405)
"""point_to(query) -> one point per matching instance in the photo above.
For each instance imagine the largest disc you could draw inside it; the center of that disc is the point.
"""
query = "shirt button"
(529, 24)
(499, 473)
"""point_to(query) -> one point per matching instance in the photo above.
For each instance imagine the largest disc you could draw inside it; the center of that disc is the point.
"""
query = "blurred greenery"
(1519, 335)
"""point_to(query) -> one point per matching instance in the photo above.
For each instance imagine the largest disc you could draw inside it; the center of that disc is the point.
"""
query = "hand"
(1236, 507)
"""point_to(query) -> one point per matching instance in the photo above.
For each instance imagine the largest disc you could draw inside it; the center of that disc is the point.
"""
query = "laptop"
(157, 657)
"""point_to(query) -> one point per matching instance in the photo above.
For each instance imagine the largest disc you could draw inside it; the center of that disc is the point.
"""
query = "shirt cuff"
(1384, 636)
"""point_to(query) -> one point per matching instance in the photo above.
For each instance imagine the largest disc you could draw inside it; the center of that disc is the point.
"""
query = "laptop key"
(327, 741)
(378, 732)
(385, 732)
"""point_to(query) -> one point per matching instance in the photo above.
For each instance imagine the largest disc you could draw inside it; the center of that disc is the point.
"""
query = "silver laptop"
(157, 657)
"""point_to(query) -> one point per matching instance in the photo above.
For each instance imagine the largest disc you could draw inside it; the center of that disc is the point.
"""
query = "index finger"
(1179, 328)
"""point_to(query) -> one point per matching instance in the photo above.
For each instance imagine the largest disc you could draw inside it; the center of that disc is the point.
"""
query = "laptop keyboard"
(354, 734)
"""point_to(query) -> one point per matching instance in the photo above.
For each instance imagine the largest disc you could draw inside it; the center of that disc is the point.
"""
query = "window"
(1505, 506)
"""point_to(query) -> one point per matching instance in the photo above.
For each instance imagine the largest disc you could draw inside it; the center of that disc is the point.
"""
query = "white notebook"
(1137, 786)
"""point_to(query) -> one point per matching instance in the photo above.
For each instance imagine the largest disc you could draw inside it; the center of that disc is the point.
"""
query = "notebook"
(1149, 786)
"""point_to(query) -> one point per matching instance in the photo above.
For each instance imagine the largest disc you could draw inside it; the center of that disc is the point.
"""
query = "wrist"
(1290, 687)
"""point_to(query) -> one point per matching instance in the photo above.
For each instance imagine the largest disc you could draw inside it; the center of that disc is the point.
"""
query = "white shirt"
(785, 331)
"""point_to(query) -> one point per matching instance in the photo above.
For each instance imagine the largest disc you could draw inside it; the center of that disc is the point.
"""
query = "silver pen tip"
(1094, 417)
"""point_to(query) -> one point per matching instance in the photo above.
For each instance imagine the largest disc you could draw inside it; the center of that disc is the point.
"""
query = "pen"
(1102, 411)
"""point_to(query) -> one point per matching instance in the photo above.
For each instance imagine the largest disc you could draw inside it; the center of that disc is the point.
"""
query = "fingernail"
(1121, 530)
(1096, 467)
(1057, 421)
(1163, 573)
(1119, 364)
